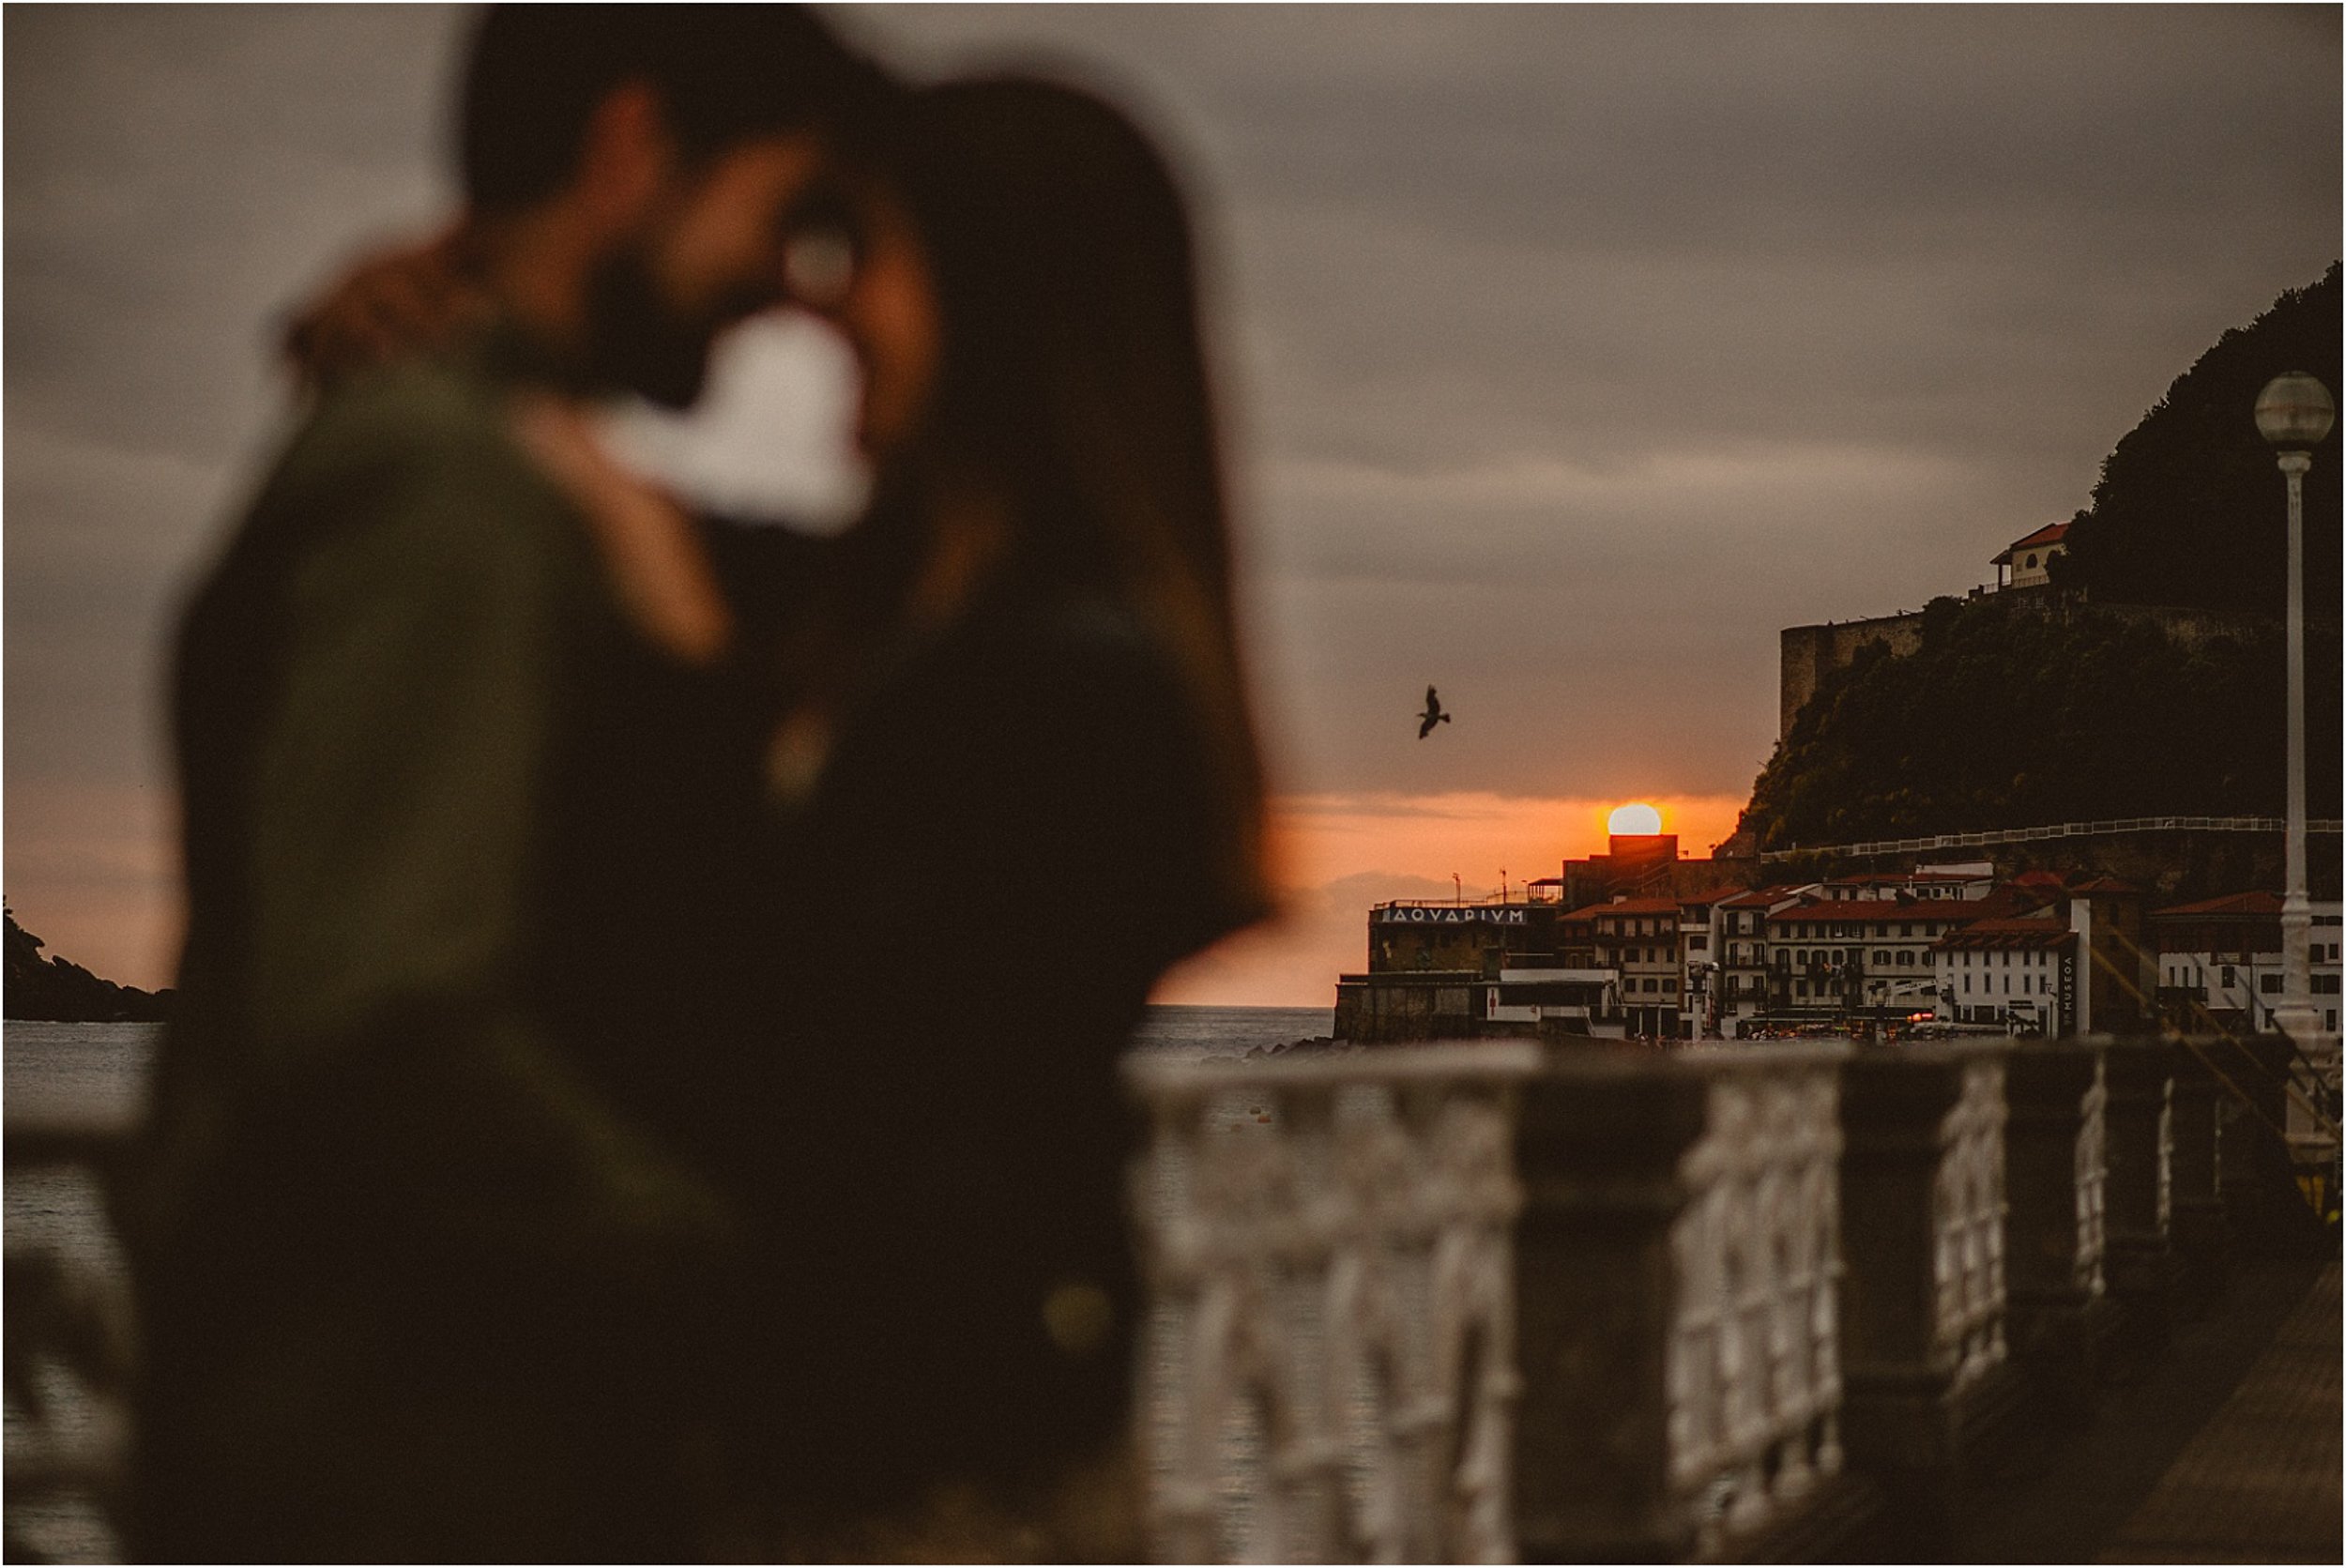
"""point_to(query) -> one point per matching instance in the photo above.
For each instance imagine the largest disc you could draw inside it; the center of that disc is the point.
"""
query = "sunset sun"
(1636, 817)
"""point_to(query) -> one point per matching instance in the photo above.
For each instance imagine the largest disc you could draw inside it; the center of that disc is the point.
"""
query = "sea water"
(61, 1210)
(58, 1210)
(1212, 1033)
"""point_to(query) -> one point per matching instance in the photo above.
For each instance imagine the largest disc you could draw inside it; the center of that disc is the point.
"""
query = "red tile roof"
(1877, 909)
(1760, 897)
(2109, 886)
(1627, 906)
(2007, 936)
(2007, 901)
(2250, 905)
(2052, 533)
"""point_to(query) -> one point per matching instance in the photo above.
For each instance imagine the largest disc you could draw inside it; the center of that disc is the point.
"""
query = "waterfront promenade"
(2260, 1483)
(2227, 1452)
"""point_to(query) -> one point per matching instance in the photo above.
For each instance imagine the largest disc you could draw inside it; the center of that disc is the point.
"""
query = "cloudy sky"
(1570, 352)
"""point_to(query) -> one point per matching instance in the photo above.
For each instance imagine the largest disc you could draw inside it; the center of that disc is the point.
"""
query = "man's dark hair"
(724, 73)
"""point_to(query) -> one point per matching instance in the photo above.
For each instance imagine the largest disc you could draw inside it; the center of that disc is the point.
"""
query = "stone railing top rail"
(1157, 1078)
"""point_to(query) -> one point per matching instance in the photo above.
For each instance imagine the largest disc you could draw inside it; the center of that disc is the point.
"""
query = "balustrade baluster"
(1678, 1259)
(1924, 1295)
(2202, 1239)
(2057, 1296)
(2138, 1194)
(1342, 1272)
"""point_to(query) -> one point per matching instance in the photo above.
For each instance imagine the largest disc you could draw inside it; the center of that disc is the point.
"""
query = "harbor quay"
(1570, 1300)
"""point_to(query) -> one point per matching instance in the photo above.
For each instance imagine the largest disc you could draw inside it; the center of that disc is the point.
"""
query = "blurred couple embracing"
(643, 1085)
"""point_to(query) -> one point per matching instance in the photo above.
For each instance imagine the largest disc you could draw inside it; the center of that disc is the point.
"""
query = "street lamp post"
(2294, 413)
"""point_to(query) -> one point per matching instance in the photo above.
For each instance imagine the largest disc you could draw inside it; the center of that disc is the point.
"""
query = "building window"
(1882, 957)
(2229, 981)
(2269, 984)
(2325, 985)
(1671, 987)
(1906, 958)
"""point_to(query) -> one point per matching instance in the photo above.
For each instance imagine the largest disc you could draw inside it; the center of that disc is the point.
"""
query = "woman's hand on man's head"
(403, 298)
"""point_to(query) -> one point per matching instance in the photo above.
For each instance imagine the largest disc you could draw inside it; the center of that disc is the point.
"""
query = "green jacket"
(416, 1093)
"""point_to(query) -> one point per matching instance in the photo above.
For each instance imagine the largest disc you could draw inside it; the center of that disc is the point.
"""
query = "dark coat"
(426, 1261)
(1004, 853)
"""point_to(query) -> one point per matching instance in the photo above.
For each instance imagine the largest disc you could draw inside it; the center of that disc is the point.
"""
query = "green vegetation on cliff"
(2009, 717)
(2017, 714)
(54, 990)
(2190, 508)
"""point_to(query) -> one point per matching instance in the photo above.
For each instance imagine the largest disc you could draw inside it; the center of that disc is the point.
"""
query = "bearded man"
(428, 1259)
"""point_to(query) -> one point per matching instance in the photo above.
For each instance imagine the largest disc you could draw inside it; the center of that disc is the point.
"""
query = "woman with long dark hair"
(1015, 782)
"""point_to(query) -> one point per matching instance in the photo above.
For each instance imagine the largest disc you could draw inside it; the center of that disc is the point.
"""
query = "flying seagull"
(1432, 716)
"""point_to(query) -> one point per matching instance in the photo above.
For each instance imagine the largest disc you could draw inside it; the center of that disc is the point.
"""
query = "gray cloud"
(1571, 351)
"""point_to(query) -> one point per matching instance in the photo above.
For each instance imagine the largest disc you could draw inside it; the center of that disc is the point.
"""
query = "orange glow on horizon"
(1334, 854)
(1320, 839)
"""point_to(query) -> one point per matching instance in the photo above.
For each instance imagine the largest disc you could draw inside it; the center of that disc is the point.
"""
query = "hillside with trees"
(2190, 508)
(2006, 717)
(2013, 714)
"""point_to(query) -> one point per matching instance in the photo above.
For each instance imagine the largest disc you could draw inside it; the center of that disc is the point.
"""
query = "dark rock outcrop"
(56, 990)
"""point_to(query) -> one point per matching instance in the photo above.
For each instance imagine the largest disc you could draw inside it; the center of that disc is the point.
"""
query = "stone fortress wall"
(1809, 653)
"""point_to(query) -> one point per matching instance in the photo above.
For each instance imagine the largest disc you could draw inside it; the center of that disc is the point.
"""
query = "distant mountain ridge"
(56, 990)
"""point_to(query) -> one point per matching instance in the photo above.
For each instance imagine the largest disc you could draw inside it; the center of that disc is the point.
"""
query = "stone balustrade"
(1477, 1302)
(1761, 1297)
(1924, 1215)
(1329, 1369)
(1679, 1257)
(2057, 1295)
(2138, 1185)
(2195, 1202)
